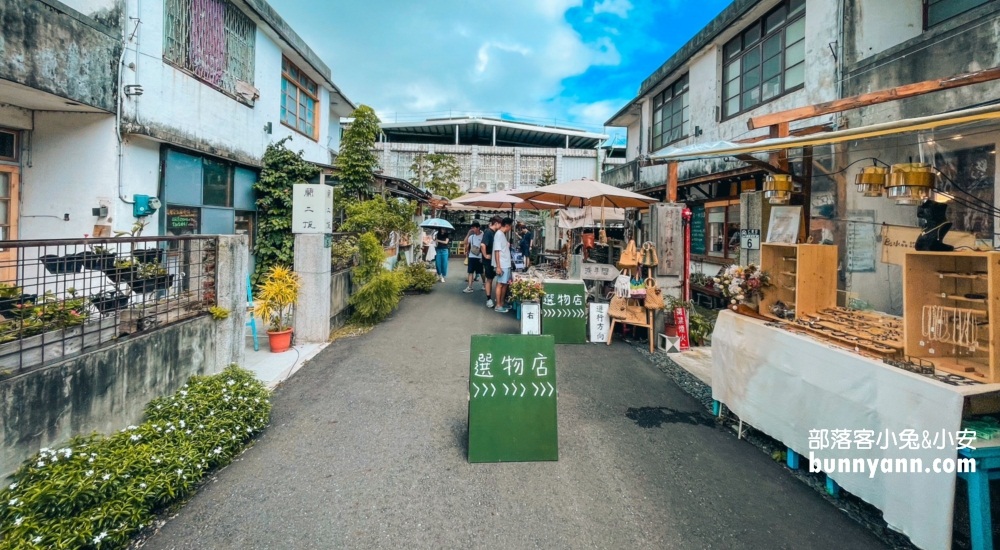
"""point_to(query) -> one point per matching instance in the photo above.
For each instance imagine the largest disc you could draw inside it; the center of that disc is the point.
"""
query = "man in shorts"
(486, 247)
(503, 264)
(472, 244)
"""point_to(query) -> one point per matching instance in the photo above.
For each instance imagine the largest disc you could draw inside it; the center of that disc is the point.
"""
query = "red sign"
(681, 320)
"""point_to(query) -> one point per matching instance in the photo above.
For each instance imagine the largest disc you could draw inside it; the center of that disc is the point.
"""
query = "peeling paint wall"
(54, 48)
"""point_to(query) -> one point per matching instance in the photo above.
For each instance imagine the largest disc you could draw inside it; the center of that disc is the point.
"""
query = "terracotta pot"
(670, 330)
(280, 341)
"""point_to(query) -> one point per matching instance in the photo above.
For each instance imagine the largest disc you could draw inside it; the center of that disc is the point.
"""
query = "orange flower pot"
(280, 341)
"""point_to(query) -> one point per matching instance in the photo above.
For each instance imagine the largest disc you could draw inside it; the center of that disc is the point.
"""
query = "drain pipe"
(118, 110)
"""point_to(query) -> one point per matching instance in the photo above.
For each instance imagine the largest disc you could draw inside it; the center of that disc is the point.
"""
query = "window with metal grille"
(766, 60)
(671, 115)
(299, 95)
(213, 40)
(938, 11)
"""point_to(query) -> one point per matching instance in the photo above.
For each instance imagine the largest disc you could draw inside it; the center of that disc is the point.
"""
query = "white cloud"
(614, 7)
(412, 60)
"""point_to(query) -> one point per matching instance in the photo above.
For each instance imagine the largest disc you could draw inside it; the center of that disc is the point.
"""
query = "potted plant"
(10, 296)
(148, 277)
(109, 301)
(98, 258)
(274, 302)
(120, 270)
(55, 264)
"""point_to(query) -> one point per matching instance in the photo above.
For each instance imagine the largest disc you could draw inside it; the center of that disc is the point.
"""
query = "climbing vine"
(282, 168)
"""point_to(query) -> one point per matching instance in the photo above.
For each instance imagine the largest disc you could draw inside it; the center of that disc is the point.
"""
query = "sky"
(567, 62)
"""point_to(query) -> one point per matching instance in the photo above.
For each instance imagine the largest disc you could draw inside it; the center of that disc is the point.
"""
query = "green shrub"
(377, 298)
(371, 257)
(343, 252)
(98, 491)
(417, 277)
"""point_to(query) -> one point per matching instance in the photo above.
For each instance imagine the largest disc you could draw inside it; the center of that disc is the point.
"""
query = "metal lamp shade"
(778, 188)
(871, 181)
(910, 183)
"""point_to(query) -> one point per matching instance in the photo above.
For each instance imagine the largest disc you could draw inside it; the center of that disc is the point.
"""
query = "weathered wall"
(54, 48)
(101, 391)
(341, 288)
(965, 43)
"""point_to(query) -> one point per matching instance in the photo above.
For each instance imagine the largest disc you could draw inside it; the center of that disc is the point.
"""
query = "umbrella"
(586, 192)
(503, 201)
(437, 223)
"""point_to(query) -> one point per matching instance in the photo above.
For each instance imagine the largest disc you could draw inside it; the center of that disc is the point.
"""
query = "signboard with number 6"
(750, 239)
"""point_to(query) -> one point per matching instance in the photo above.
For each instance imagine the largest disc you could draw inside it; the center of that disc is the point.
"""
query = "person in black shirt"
(487, 249)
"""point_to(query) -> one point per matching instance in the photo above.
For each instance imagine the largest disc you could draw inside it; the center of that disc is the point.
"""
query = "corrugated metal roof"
(479, 131)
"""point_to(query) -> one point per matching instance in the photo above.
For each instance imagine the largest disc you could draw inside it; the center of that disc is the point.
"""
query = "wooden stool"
(648, 325)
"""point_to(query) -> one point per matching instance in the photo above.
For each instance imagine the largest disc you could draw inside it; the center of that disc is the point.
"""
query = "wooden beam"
(804, 131)
(672, 182)
(872, 98)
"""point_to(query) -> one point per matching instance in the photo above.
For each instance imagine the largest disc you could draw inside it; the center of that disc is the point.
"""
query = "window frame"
(678, 91)
(794, 11)
(727, 228)
(927, 12)
(292, 80)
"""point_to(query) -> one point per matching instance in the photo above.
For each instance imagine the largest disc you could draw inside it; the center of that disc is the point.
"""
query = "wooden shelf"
(943, 279)
(811, 283)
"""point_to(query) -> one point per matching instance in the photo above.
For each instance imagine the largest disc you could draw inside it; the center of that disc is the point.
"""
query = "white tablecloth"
(785, 385)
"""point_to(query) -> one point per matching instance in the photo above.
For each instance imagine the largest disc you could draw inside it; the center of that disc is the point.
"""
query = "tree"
(380, 216)
(282, 168)
(438, 173)
(548, 178)
(357, 160)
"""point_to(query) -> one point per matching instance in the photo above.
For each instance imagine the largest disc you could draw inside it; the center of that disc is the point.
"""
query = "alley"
(367, 450)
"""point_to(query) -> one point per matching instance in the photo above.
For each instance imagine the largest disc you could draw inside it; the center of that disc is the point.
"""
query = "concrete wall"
(178, 108)
(341, 289)
(102, 391)
(52, 47)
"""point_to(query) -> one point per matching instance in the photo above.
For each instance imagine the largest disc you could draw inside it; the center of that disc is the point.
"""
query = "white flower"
(89, 473)
(41, 464)
(135, 437)
(90, 460)
(230, 382)
(106, 477)
(37, 539)
(15, 502)
(12, 486)
(142, 485)
(217, 450)
(188, 432)
(179, 471)
(18, 521)
(130, 428)
(99, 538)
(67, 452)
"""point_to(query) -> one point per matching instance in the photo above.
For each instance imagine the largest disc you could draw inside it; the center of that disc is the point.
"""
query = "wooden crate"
(945, 280)
(804, 277)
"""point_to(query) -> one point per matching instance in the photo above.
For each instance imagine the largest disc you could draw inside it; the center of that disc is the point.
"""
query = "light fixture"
(778, 188)
(871, 180)
(910, 183)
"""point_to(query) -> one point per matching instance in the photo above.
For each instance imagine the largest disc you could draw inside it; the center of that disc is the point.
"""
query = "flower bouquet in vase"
(742, 286)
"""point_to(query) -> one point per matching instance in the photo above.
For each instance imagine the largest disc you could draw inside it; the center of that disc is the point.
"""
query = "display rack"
(804, 277)
(950, 301)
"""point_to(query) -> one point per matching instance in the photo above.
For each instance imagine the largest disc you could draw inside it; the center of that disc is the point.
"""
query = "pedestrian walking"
(442, 240)
(504, 267)
(475, 255)
(525, 244)
(486, 248)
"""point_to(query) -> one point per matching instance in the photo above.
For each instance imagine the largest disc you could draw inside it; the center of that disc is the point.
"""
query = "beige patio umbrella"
(504, 201)
(586, 192)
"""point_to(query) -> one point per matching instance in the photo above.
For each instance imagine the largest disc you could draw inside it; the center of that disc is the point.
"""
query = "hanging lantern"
(778, 188)
(871, 180)
(910, 183)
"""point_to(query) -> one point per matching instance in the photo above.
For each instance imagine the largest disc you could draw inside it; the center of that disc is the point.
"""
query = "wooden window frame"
(726, 226)
(300, 89)
(757, 45)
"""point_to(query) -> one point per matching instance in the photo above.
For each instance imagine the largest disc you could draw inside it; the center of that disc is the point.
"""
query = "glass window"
(767, 65)
(671, 121)
(938, 11)
(299, 95)
(722, 231)
(218, 189)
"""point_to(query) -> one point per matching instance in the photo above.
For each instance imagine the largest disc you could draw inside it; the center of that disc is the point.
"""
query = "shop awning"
(721, 149)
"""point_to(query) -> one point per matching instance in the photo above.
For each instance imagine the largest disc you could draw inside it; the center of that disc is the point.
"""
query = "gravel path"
(367, 450)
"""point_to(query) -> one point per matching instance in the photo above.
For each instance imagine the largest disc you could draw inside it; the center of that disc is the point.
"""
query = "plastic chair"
(252, 323)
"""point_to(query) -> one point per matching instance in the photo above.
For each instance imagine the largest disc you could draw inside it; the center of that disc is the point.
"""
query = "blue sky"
(572, 62)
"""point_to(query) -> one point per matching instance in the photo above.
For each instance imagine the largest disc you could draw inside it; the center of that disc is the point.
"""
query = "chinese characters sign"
(598, 272)
(312, 208)
(564, 309)
(531, 318)
(599, 321)
(512, 398)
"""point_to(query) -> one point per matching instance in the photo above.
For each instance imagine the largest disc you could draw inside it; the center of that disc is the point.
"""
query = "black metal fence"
(60, 298)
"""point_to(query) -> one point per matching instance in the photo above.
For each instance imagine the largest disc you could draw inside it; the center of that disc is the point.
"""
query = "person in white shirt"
(502, 261)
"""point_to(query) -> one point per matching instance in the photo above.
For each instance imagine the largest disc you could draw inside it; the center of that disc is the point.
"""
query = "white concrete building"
(175, 99)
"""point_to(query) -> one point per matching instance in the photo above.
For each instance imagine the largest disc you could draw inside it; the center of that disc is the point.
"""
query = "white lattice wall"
(533, 167)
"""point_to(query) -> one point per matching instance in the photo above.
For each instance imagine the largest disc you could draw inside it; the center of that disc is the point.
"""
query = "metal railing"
(61, 298)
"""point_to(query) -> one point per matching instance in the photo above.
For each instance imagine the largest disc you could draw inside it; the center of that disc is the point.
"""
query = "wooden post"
(807, 173)
(672, 182)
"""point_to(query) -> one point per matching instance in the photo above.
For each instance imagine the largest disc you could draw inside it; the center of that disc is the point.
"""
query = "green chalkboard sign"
(564, 311)
(697, 229)
(512, 398)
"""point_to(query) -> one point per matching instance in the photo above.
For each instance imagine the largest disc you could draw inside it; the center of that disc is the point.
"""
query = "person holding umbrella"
(442, 240)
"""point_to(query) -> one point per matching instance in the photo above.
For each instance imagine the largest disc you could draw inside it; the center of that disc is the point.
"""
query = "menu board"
(183, 219)
(861, 239)
(697, 229)
(512, 398)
